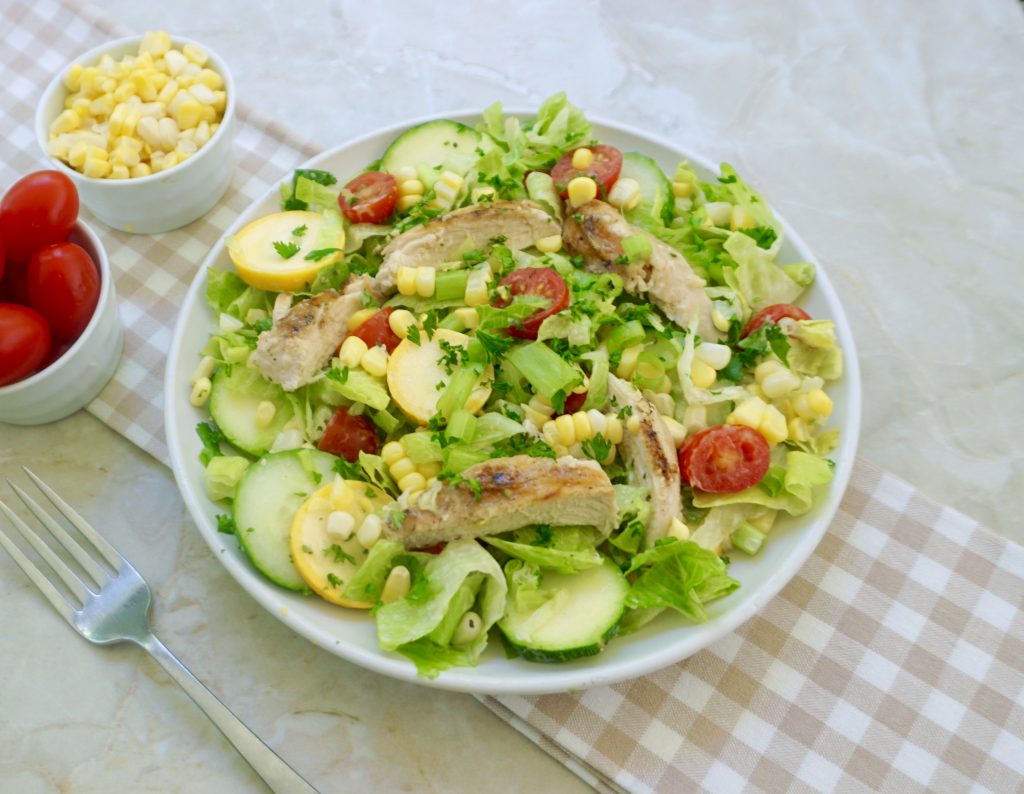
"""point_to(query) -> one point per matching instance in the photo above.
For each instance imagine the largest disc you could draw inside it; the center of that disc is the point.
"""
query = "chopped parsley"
(286, 250)
(334, 581)
(597, 448)
(298, 231)
(337, 552)
(522, 444)
(226, 524)
(452, 480)
(319, 253)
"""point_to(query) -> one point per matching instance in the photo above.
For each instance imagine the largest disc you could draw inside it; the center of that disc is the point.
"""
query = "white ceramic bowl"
(75, 378)
(350, 633)
(162, 201)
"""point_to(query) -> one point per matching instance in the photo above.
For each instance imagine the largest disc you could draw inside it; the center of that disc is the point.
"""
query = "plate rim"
(551, 679)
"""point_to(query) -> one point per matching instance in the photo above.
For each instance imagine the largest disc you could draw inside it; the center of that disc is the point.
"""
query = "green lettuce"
(524, 590)
(405, 626)
(732, 188)
(222, 475)
(561, 549)
(359, 386)
(790, 487)
(368, 582)
(680, 575)
(756, 279)
(226, 293)
(813, 349)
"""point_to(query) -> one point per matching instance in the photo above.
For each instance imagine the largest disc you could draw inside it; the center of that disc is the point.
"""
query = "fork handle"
(265, 762)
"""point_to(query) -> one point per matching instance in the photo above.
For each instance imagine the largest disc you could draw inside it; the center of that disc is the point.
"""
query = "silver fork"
(114, 607)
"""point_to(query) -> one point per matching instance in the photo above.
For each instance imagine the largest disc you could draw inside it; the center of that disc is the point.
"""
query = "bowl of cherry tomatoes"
(60, 333)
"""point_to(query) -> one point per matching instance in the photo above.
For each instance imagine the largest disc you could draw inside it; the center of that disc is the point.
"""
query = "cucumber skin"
(242, 533)
(568, 655)
(222, 390)
(632, 162)
(389, 161)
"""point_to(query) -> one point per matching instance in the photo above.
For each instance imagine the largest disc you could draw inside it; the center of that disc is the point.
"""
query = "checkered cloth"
(892, 661)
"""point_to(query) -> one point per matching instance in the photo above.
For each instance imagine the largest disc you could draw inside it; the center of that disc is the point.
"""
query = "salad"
(512, 384)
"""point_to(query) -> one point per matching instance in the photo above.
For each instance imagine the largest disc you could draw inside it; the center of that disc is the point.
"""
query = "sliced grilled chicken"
(301, 342)
(514, 492)
(596, 230)
(467, 229)
(652, 457)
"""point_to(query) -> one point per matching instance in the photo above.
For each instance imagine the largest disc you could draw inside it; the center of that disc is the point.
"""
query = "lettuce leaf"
(732, 188)
(404, 625)
(812, 348)
(359, 386)
(222, 474)
(368, 582)
(226, 293)
(793, 490)
(524, 590)
(756, 279)
(567, 550)
(680, 575)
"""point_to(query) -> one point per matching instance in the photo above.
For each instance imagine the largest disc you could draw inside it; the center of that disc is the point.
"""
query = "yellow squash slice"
(326, 562)
(414, 370)
(285, 268)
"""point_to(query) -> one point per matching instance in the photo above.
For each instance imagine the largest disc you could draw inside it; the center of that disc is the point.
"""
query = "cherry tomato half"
(38, 210)
(347, 435)
(24, 342)
(724, 459)
(541, 281)
(604, 168)
(772, 314)
(377, 331)
(574, 402)
(369, 198)
(64, 287)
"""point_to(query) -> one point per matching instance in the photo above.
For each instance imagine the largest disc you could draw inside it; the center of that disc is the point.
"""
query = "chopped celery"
(544, 369)
(457, 392)
(650, 370)
(421, 448)
(458, 458)
(747, 538)
(450, 284)
(385, 421)
(626, 335)
(597, 391)
(541, 188)
(462, 425)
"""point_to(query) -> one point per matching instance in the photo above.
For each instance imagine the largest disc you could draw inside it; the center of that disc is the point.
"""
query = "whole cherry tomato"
(540, 281)
(38, 210)
(603, 169)
(64, 287)
(1, 259)
(347, 435)
(377, 331)
(369, 198)
(24, 342)
(772, 314)
(724, 459)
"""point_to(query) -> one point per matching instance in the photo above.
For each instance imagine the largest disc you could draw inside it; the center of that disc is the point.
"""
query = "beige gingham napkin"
(892, 661)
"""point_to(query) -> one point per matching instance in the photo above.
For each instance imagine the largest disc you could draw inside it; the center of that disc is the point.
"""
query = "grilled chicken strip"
(514, 492)
(597, 230)
(652, 457)
(445, 238)
(298, 345)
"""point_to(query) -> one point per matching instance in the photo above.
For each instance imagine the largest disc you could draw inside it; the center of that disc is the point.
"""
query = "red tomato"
(542, 281)
(369, 198)
(38, 210)
(724, 459)
(437, 548)
(347, 435)
(64, 287)
(377, 331)
(604, 169)
(772, 314)
(14, 287)
(24, 342)
(574, 402)
(1, 260)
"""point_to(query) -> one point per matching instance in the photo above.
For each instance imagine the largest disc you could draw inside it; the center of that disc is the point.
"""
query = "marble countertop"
(887, 134)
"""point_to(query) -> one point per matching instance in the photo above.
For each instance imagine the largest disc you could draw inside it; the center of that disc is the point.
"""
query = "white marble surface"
(887, 133)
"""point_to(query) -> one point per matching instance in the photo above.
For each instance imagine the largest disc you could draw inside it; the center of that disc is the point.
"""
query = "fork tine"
(104, 548)
(62, 536)
(32, 572)
(68, 576)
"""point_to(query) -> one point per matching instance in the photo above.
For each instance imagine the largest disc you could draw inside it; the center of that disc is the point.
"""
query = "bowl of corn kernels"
(143, 126)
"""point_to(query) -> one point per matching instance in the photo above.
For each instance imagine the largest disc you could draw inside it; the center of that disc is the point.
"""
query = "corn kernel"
(119, 171)
(412, 482)
(375, 361)
(581, 426)
(96, 167)
(766, 368)
(702, 375)
(581, 190)
(67, 121)
(582, 158)
(340, 525)
(404, 174)
(195, 54)
(675, 429)
(425, 279)
(411, 187)
(627, 362)
(210, 79)
(265, 413)
(748, 413)
(406, 278)
(396, 586)
(446, 189)
(713, 354)
(408, 201)
(549, 245)
(429, 470)
(352, 351)
(468, 316)
(678, 530)
(773, 425)
(360, 317)
(633, 423)
(392, 451)
(538, 419)
(682, 189)
(741, 219)
(401, 467)
(798, 430)
(719, 212)
(174, 62)
(625, 194)
(205, 95)
(145, 88)
(819, 402)
(613, 429)
(400, 321)
(566, 430)
(102, 106)
(81, 107)
(802, 408)
(142, 169)
(73, 77)
(155, 43)
(369, 531)
(170, 90)
(476, 286)
(780, 383)
(188, 113)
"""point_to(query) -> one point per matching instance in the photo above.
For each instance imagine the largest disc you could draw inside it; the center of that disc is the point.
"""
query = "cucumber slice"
(268, 497)
(656, 199)
(444, 143)
(574, 623)
(235, 394)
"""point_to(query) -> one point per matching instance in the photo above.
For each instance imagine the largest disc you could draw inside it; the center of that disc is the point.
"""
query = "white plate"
(350, 633)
